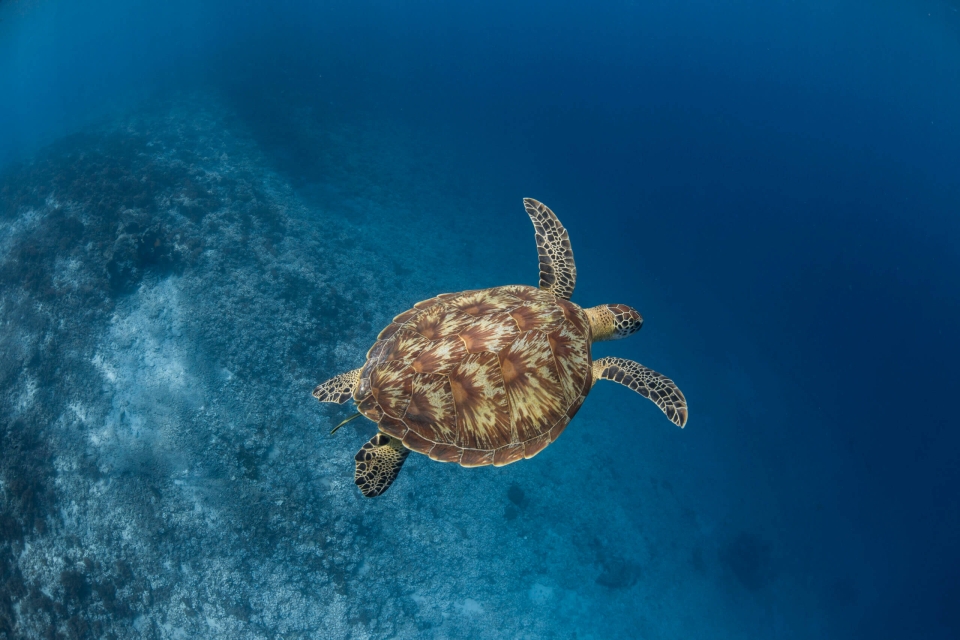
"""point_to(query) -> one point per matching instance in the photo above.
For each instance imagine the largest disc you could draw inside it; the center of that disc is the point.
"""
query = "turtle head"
(613, 321)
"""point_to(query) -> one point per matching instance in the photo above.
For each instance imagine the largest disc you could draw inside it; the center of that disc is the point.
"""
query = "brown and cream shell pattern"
(481, 377)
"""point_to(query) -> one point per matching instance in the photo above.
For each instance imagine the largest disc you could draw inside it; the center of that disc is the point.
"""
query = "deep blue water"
(774, 185)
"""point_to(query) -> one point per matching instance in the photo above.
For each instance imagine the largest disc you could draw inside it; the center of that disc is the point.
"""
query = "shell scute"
(441, 356)
(389, 330)
(430, 412)
(370, 408)
(374, 357)
(559, 427)
(508, 454)
(575, 316)
(481, 403)
(490, 333)
(393, 427)
(442, 452)
(405, 346)
(484, 302)
(526, 293)
(414, 442)
(533, 385)
(572, 355)
(538, 316)
(424, 304)
(535, 445)
(476, 458)
(439, 321)
(406, 315)
(390, 384)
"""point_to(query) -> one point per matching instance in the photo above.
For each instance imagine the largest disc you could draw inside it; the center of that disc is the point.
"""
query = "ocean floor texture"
(168, 303)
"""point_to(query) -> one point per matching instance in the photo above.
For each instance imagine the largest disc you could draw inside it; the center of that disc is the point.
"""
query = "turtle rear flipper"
(338, 389)
(378, 463)
(647, 382)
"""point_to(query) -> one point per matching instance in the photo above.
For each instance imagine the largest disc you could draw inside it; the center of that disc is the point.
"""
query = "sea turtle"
(490, 376)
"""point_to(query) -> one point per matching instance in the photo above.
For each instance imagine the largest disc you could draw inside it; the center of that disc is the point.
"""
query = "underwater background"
(208, 208)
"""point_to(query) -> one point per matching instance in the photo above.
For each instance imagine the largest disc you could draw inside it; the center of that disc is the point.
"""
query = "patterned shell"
(479, 377)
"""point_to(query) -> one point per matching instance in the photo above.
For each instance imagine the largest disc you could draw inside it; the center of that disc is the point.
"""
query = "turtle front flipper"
(647, 382)
(338, 389)
(558, 273)
(378, 463)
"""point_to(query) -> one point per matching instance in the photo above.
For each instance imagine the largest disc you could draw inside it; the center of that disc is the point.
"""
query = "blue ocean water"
(206, 209)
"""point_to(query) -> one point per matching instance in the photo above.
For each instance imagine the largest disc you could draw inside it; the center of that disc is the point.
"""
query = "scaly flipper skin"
(646, 382)
(338, 389)
(558, 273)
(378, 463)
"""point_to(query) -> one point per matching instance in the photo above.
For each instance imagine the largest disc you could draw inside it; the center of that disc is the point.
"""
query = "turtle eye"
(626, 320)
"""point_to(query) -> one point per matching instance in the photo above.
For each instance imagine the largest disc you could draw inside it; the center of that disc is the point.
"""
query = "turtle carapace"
(490, 376)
